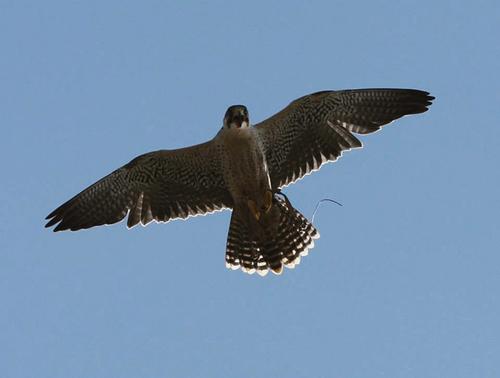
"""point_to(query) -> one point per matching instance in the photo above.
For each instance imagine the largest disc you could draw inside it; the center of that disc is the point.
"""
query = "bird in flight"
(243, 168)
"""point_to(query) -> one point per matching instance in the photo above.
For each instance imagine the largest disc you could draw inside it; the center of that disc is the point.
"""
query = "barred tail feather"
(280, 239)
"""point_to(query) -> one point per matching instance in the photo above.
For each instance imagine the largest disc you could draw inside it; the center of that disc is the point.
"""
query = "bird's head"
(236, 117)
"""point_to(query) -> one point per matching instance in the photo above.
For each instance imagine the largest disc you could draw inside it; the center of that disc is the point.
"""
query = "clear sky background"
(405, 279)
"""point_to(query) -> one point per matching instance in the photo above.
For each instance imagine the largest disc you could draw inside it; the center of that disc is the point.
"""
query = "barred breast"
(244, 164)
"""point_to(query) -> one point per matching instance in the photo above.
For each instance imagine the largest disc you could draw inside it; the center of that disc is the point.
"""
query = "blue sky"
(404, 280)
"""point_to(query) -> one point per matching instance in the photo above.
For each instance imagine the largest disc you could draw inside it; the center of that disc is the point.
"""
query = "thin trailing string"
(287, 201)
(319, 203)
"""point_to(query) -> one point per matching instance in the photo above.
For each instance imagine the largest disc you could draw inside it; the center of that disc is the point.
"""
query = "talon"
(287, 201)
(253, 209)
(268, 201)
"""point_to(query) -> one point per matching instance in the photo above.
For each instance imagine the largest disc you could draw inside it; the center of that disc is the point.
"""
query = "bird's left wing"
(160, 185)
(317, 128)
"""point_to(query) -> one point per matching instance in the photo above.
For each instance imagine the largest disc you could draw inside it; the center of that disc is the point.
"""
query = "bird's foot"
(268, 201)
(287, 201)
(253, 209)
(266, 205)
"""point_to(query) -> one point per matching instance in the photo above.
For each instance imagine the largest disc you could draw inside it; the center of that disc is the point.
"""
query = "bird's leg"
(268, 200)
(253, 209)
(266, 205)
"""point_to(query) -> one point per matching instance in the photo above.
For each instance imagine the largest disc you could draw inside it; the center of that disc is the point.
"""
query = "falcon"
(244, 168)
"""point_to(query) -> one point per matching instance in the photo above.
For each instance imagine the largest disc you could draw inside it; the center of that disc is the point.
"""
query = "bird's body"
(243, 168)
(244, 164)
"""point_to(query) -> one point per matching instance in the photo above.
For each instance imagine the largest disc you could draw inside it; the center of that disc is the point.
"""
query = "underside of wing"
(317, 128)
(160, 186)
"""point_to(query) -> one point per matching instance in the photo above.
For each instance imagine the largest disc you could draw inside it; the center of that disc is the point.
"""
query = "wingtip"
(50, 223)
(428, 95)
(429, 98)
(422, 100)
(55, 221)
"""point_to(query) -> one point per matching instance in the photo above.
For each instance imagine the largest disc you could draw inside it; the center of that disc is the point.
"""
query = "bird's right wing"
(160, 185)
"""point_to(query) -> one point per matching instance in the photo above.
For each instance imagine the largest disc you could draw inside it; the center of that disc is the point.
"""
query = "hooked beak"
(239, 121)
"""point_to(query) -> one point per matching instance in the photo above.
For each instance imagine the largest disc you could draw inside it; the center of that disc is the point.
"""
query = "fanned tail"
(278, 239)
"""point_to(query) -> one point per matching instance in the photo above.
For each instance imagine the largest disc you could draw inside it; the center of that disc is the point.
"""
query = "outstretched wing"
(160, 185)
(316, 128)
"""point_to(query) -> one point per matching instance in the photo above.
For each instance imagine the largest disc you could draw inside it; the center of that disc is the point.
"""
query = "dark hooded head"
(236, 117)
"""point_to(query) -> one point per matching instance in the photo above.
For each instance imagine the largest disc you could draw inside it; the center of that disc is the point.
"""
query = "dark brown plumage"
(160, 185)
(169, 184)
(278, 240)
(317, 128)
